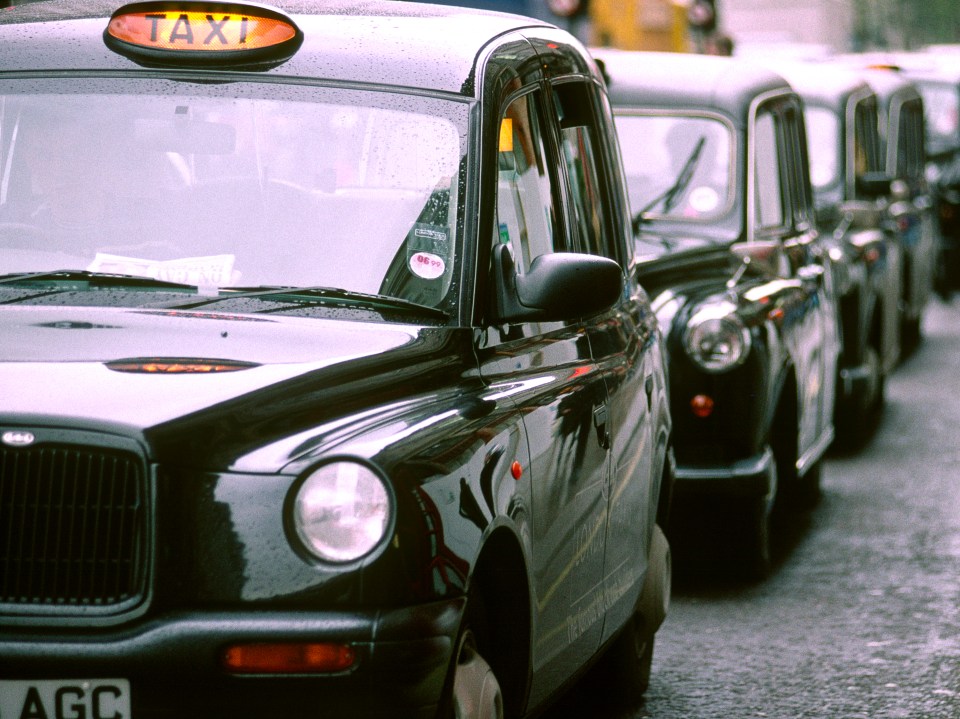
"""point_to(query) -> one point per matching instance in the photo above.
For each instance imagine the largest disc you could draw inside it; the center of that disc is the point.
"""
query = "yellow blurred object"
(659, 25)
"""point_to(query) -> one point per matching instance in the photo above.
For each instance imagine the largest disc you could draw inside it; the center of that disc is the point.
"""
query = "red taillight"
(701, 406)
(309, 658)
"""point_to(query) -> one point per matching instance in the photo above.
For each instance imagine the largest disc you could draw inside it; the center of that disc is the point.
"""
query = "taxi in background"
(850, 186)
(324, 385)
(742, 283)
(911, 206)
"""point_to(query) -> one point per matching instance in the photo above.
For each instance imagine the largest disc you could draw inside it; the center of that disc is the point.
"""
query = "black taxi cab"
(911, 207)
(324, 385)
(936, 77)
(742, 284)
(850, 185)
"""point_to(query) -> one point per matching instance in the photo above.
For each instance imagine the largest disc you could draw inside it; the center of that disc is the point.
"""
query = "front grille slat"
(71, 525)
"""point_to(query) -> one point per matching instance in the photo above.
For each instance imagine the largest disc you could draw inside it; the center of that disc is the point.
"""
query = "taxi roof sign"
(210, 34)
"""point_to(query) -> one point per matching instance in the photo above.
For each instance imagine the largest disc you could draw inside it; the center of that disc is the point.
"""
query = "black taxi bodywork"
(849, 182)
(324, 388)
(911, 207)
(936, 77)
(741, 282)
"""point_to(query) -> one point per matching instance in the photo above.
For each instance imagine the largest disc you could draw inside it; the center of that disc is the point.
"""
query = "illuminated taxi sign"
(202, 33)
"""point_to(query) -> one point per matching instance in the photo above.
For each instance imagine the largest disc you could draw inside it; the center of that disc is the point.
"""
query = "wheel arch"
(498, 608)
(784, 426)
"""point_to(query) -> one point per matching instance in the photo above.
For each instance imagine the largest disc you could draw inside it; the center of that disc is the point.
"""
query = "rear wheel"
(476, 691)
(622, 675)
(757, 550)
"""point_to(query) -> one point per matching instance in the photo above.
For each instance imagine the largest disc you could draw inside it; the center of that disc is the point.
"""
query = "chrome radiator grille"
(71, 529)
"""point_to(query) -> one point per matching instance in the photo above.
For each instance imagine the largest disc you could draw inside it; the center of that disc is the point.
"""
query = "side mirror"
(558, 286)
(874, 185)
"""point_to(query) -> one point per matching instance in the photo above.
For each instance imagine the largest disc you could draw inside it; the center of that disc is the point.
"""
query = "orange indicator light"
(702, 406)
(307, 658)
(516, 470)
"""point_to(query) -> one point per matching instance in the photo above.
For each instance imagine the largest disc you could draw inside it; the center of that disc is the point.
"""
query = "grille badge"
(18, 438)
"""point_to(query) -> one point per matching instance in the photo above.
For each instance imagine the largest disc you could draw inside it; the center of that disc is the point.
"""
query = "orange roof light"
(204, 33)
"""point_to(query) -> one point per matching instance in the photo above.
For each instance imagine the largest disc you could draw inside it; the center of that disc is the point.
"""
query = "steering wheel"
(20, 235)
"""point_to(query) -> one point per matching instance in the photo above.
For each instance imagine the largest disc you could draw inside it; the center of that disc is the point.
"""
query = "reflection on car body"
(323, 380)
(845, 160)
(740, 281)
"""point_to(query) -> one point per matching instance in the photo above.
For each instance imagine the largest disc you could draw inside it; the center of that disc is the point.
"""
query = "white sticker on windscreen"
(427, 247)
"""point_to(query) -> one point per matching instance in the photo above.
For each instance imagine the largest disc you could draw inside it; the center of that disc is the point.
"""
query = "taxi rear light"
(288, 658)
(158, 32)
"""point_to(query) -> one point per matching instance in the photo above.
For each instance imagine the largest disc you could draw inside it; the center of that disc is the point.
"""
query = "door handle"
(600, 422)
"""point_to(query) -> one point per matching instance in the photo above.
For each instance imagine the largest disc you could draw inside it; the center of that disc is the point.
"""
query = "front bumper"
(752, 477)
(174, 664)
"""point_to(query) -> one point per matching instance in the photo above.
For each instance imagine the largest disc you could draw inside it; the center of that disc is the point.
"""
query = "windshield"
(678, 167)
(236, 184)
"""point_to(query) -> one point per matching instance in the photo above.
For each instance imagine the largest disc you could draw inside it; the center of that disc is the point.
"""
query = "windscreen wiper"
(669, 196)
(317, 295)
(97, 279)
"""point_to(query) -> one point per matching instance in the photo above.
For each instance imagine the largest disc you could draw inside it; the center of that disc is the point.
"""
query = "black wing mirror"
(558, 286)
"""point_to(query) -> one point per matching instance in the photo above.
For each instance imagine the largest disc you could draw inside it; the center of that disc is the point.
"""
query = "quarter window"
(526, 210)
(580, 150)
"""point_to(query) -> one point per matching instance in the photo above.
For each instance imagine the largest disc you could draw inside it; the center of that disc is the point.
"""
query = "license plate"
(65, 698)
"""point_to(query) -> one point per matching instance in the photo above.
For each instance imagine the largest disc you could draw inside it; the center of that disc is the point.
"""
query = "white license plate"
(65, 698)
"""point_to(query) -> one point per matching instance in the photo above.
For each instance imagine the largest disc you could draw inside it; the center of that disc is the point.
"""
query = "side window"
(526, 204)
(800, 195)
(866, 140)
(580, 152)
(914, 114)
(768, 194)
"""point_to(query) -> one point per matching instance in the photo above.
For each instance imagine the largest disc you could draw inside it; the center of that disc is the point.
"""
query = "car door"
(803, 289)
(621, 343)
(548, 370)
(814, 270)
(911, 161)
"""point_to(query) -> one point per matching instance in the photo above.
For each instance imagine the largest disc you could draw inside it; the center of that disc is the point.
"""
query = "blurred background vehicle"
(850, 187)
(743, 287)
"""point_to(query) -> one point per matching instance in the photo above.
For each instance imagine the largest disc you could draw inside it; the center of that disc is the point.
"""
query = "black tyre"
(476, 691)
(757, 552)
(622, 675)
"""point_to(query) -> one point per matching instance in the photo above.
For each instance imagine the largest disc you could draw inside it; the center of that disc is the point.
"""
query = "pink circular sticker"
(427, 265)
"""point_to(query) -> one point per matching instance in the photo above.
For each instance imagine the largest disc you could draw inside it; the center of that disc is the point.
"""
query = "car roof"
(387, 42)
(687, 81)
(822, 84)
(889, 84)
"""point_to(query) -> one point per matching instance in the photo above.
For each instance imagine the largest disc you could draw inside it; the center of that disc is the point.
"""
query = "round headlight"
(716, 340)
(341, 511)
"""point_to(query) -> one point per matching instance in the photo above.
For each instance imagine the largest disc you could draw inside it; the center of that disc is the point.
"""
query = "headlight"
(341, 511)
(716, 340)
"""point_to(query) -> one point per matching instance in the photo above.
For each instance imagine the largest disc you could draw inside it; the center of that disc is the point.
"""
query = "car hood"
(54, 372)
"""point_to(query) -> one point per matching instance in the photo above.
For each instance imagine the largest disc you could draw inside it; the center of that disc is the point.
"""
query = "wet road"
(861, 617)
